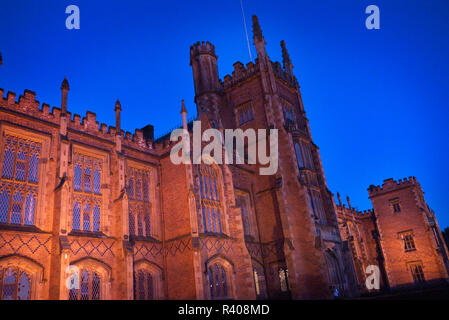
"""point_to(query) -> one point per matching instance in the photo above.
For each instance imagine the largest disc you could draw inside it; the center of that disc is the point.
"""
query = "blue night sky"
(377, 100)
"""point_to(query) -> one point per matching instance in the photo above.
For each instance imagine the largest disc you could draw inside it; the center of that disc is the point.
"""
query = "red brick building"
(79, 196)
(400, 235)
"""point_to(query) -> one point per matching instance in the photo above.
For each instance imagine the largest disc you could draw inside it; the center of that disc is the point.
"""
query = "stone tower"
(411, 240)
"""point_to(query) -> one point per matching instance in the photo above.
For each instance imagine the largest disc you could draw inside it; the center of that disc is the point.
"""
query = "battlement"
(201, 48)
(27, 105)
(240, 73)
(350, 212)
(391, 184)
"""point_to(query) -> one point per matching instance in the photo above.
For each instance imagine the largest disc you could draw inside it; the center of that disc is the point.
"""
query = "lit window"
(407, 240)
(283, 279)
(18, 189)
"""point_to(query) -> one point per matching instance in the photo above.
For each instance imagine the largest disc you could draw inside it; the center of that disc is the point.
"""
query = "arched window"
(210, 199)
(218, 281)
(333, 271)
(15, 284)
(298, 155)
(243, 201)
(259, 281)
(283, 279)
(87, 193)
(144, 286)
(89, 286)
(18, 182)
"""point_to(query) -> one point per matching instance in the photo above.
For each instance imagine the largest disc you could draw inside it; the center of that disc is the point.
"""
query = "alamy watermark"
(257, 143)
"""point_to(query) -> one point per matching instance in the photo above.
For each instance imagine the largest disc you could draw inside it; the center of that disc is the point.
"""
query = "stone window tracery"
(18, 182)
(87, 199)
(211, 207)
(139, 206)
(15, 284)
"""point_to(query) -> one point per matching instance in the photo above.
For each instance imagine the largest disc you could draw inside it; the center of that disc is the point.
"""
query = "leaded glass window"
(18, 182)
(89, 286)
(139, 206)
(218, 281)
(144, 287)
(210, 199)
(87, 198)
(15, 284)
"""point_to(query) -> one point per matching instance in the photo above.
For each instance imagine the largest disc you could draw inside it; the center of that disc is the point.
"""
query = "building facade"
(400, 236)
(88, 211)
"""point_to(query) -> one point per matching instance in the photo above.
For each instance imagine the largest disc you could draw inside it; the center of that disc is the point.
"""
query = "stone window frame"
(33, 269)
(242, 110)
(151, 206)
(103, 270)
(251, 218)
(157, 275)
(417, 277)
(93, 198)
(261, 286)
(40, 221)
(395, 205)
(217, 204)
(408, 240)
(229, 269)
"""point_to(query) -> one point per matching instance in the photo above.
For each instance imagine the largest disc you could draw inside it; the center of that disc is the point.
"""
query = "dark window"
(417, 272)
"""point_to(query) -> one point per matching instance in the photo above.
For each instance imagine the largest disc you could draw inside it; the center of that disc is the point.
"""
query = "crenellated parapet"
(391, 184)
(27, 105)
(240, 73)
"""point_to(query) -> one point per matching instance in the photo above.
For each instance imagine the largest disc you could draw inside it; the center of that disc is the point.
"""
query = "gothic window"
(210, 199)
(259, 282)
(289, 115)
(217, 281)
(15, 284)
(333, 271)
(245, 209)
(407, 240)
(417, 272)
(86, 212)
(307, 156)
(283, 279)
(316, 204)
(245, 114)
(139, 207)
(144, 286)
(89, 286)
(18, 182)
(299, 156)
(396, 206)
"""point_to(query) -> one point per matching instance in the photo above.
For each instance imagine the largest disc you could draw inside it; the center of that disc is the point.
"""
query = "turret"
(204, 66)
(64, 93)
(117, 109)
(207, 83)
(184, 115)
